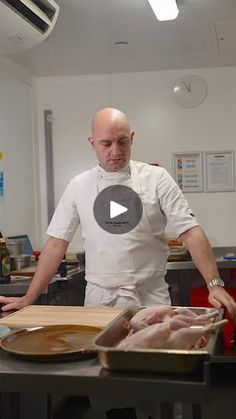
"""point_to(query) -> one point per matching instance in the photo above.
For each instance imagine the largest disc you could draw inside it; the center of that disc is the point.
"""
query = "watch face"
(189, 91)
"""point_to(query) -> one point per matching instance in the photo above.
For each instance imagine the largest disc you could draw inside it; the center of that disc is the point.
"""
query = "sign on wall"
(215, 174)
(219, 168)
(187, 168)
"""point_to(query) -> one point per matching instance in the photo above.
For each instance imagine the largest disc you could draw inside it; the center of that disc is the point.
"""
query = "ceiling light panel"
(164, 9)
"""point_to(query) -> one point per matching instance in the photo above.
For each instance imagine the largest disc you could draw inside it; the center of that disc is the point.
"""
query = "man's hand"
(13, 303)
(218, 297)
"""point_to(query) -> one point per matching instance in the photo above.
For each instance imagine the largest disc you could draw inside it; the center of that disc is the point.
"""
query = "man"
(129, 268)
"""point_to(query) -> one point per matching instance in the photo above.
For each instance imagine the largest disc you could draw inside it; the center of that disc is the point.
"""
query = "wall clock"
(189, 91)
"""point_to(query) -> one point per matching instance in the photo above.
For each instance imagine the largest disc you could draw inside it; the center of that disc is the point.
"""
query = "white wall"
(17, 211)
(161, 126)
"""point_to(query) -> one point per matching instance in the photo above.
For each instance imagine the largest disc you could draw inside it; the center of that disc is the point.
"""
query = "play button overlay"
(118, 209)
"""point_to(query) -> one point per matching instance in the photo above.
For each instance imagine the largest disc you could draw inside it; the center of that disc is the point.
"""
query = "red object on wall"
(36, 253)
(199, 297)
(232, 274)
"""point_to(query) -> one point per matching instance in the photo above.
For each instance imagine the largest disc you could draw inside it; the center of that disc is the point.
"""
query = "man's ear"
(91, 141)
(131, 137)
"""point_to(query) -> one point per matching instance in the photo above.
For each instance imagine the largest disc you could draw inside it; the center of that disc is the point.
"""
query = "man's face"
(112, 146)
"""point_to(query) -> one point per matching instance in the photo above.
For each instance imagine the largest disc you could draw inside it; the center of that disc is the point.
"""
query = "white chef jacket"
(130, 267)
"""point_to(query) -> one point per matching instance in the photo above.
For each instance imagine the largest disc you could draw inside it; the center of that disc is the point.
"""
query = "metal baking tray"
(149, 360)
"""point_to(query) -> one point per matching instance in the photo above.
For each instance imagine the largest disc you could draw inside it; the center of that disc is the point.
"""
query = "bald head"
(111, 138)
(108, 117)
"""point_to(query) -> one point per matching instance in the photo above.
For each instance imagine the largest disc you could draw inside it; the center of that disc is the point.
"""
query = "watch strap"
(216, 282)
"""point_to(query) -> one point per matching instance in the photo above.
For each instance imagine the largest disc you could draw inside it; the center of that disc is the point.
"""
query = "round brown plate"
(57, 342)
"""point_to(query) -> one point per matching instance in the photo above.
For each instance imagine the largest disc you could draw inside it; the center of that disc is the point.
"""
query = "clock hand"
(187, 86)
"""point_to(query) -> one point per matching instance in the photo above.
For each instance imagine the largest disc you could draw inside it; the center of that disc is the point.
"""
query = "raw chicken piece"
(150, 315)
(150, 337)
(175, 323)
(182, 317)
(195, 321)
(192, 318)
(185, 311)
(204, 319)
(200, 343)
(183, 338)
(188, 337)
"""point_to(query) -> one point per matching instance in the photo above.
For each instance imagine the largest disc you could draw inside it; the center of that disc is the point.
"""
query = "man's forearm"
(48, 263)
(198, 246)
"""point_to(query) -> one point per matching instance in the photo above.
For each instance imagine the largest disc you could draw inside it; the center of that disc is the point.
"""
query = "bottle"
(4, 262)
(62, 268)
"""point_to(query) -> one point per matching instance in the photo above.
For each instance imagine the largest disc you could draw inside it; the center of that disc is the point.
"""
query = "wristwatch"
(216, 281)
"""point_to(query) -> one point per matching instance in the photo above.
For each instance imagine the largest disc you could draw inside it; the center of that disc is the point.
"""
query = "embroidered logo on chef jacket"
(118, 209)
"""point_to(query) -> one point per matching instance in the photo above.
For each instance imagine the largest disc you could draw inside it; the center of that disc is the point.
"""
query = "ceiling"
(83, 40)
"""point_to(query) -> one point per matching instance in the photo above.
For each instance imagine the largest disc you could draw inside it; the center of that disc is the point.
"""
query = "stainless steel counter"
(19, 286)
(219, 253)
(181, 276)
(188, 264)
(34, 381)
(61, 291)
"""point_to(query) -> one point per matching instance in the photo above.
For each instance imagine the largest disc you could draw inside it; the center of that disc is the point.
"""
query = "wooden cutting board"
(21, 278)
(28, 271)
(39, 315)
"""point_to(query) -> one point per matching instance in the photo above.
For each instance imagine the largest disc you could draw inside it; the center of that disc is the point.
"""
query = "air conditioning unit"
(25, 23)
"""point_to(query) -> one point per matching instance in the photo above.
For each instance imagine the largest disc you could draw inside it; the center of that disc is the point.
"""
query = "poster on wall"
(187, 169)
(220, 176)
(1, 186)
